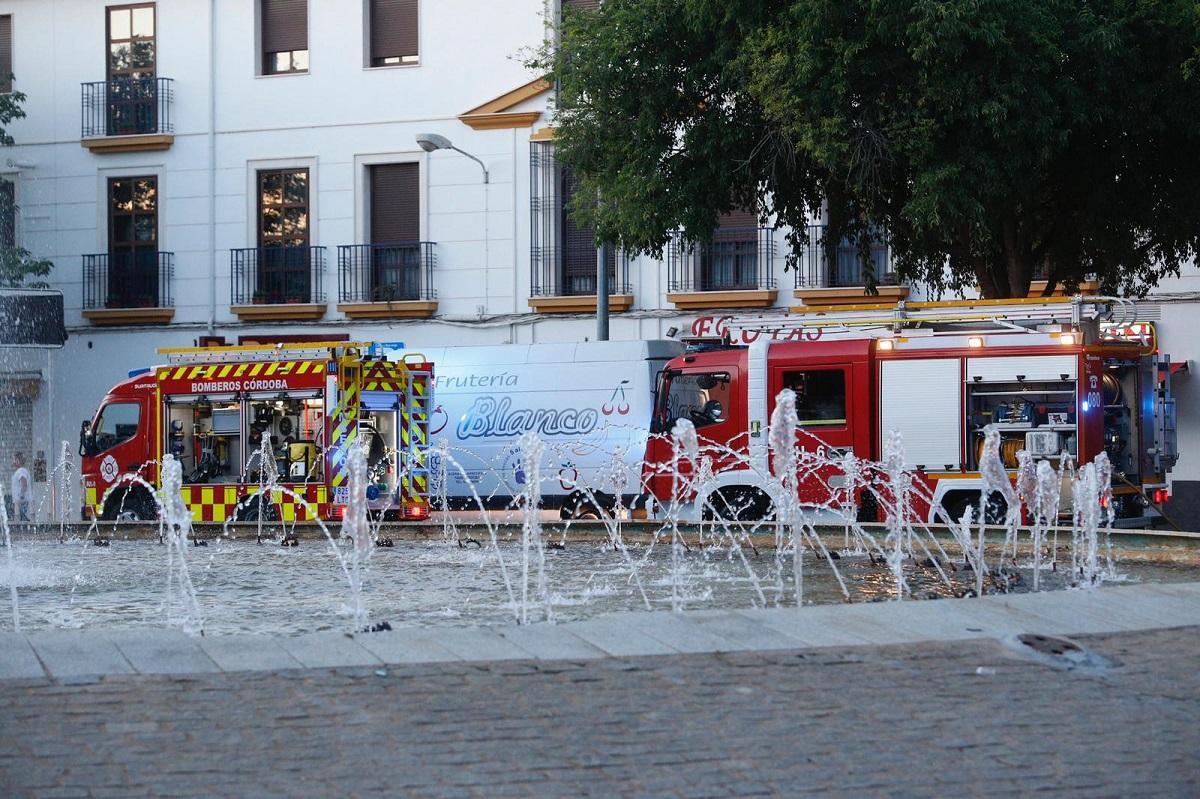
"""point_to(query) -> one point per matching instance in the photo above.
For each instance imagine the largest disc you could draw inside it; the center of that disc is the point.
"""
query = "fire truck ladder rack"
(416, 453)
(953, 316)
(306, 351)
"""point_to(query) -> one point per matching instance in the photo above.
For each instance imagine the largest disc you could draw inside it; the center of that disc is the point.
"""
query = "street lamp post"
(602, 290)
(433, 141)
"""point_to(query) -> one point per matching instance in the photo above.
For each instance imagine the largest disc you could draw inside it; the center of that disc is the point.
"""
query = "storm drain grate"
(1060, 653)
(1049, 645)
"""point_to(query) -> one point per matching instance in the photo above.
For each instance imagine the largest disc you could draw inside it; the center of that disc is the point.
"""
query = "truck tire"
(579, 505)
(738, 504)
(250, 512)
(129, 505)
(956, 505)
(868, 508)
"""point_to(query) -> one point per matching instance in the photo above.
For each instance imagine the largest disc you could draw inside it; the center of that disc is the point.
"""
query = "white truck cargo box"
(589, 402)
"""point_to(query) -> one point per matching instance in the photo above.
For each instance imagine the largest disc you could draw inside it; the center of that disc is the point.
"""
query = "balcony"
(128, 115)
(277, 283)
(387, 281)
(732, 270)
(563, 280)
(837, 275)
(1037, 287)
(128, 288)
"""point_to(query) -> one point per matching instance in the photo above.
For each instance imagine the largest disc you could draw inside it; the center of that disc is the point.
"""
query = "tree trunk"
(1017, 260)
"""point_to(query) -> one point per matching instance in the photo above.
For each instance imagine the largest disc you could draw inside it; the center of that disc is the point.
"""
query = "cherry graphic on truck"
(617, 403)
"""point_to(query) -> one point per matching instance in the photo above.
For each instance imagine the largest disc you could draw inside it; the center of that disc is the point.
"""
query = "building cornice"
(497, 113)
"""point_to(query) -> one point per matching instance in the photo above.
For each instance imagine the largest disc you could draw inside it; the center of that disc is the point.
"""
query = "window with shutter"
(395, 268)
(395, 203)
(284, 27)
(579, 254)
(8, 213)
(730, 261)
(6, 65)
(393, 32)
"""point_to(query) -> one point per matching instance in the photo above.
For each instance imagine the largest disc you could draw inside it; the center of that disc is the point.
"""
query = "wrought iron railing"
(127, 107)
(563, 258)
(276, 275)
(573, 271)
(843, 264)
(735, 259)
(386, 272)
(140, 279)
(1042, 272)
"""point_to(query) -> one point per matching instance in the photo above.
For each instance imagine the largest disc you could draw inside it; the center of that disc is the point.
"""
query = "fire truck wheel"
(868, 508)
(738, 504)
(956, 505)
(132, 505)
(579, 505)
(250, 512)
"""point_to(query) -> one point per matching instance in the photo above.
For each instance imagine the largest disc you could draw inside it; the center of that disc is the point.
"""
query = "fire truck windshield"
(700, 397)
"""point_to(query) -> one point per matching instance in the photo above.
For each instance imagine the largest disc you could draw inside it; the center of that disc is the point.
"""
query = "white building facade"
(248, 170)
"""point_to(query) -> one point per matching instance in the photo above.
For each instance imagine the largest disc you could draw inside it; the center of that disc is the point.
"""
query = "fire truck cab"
(241, 418)
(1058, 378)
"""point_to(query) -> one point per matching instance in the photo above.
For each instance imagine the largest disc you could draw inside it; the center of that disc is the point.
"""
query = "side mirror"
(87, 441)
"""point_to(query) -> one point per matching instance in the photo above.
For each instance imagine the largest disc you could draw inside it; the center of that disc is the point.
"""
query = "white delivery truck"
(589, 402)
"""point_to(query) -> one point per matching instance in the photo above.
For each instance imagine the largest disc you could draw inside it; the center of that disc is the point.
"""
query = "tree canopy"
(989, 139)
(17, 265)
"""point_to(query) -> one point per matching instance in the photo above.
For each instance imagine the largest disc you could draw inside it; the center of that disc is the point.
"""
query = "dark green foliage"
(989, 138)
(17, 266)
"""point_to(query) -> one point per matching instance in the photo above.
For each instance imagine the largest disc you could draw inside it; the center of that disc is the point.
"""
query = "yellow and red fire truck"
(243, 417)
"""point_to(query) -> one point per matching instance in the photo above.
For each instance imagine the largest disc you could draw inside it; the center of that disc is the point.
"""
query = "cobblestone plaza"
(772, 714)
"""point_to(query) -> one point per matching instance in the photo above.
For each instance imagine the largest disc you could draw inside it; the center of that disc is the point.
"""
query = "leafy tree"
(17, 265)
(990, 139)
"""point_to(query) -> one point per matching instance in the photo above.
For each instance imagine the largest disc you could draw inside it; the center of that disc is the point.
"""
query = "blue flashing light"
(136, 372)
(380, 348)
(1086, 405)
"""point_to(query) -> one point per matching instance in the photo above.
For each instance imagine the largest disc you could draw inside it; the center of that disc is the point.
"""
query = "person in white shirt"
(22, 488)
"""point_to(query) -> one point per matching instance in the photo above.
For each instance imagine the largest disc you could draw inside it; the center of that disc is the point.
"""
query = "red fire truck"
(213, 408)
(1068, 377)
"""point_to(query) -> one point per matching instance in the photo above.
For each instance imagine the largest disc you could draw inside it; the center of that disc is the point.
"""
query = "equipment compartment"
(1035, 416)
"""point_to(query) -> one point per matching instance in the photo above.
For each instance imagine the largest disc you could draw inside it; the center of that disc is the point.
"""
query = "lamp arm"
(473, 158)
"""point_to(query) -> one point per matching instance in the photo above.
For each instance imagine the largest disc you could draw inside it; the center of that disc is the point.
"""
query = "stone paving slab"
(162, 651)
(992, 619)
(811, 629)
(745, 632)
(1101, 611)
(80, 654)
(676, 630)
(405, 645)
(618, 640)
(904, 622)
(248, 653)
(479, 643)
(327, 649)
(74, 653)
(550, 642)
(17, 658)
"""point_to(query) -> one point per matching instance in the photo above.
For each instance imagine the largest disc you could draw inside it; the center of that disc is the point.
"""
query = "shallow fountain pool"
(242, 586)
